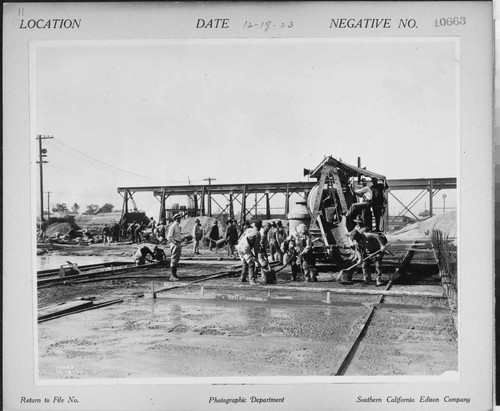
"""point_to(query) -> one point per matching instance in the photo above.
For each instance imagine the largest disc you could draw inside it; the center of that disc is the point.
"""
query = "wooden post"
(268, 207)
(162, 206)
(153, 290)
(209, 203)
(195, 203)
(125, 199)
(431, 189)
(202, 201)
(287, 201)
(243, 204)
(231, 208)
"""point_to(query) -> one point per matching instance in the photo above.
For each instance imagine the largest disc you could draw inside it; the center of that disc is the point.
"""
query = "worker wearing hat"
(263, 259)
(248, 249)
(174, 237)
(231, 237)
(306, 256)
(363, 207)
(379, 187)
(369, 248)
(197, 236)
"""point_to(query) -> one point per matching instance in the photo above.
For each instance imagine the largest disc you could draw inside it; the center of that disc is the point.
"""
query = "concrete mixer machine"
(334, 204)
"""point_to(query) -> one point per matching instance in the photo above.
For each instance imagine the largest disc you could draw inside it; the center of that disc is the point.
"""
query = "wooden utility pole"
(42, 153)
(209, 195)
(48, 207)
(209, 179)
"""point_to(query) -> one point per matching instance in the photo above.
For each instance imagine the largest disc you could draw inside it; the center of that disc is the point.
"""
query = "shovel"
(344, 276)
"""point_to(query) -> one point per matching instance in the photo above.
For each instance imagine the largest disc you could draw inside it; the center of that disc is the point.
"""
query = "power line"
(102, 166)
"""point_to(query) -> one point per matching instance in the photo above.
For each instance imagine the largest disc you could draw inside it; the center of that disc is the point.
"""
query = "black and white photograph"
(225, 204)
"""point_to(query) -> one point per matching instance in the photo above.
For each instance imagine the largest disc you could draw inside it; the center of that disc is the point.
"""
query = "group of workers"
(260, 244)
(371, 204)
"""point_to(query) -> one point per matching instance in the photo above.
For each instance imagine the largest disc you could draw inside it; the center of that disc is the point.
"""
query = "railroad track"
(74, 273)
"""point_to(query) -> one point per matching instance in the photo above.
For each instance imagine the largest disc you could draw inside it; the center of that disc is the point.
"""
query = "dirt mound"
(97, 221)
(60, 228)
(446, 223)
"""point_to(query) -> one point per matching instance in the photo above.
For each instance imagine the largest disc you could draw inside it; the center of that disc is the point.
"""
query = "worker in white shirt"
(174, 237)
(363, 207)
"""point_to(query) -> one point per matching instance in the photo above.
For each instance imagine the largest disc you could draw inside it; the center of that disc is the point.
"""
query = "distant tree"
(106, 208)
(91, 209)
(75, 208)
(60, 208)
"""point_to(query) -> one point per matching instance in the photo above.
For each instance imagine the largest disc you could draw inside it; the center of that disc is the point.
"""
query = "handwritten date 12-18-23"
(267, 25)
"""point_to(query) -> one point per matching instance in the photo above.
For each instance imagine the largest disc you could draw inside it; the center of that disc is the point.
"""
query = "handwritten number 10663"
(449, 21)
(267, 25)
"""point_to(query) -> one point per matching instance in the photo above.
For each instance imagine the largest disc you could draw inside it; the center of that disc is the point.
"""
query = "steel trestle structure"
(226, 196)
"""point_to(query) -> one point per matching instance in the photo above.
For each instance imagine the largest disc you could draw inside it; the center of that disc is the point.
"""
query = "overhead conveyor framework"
(226, 196)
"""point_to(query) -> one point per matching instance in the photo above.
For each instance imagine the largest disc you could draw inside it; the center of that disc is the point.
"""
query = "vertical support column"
(202, 200)
(268, 207)
(431, 190)
(161, 216)
(231, 208)
(209, 203)
(287, 200)
(243, 204)
(195, 203)
(125, 204)
(386, 211)
(256, 206)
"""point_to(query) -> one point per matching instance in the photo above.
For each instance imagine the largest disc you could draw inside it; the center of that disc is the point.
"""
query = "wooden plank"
(62, 308)
(94, 305)
(353, 291)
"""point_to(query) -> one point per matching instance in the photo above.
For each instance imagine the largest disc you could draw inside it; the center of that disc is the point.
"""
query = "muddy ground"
(228, 328)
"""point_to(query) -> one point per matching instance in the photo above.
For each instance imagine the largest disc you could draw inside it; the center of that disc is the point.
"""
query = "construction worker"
(159, 254)
(371, 247)
(151, 225)
(161, 232)
(106, 235)
(378, 200)
(267, 274)
(139, 228)
(197, 236)
(123, 228)
(115, 232)
(231, 237)
(214, 236)
(248, 249)
(280, 235)
(174, 237)
(131, 230)
(141, 254)
(245, 225)
(306, 256)
(363, 207)
(289, 252)
(274, 244)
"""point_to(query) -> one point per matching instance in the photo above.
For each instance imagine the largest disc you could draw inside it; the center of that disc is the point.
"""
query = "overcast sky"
(241, 111)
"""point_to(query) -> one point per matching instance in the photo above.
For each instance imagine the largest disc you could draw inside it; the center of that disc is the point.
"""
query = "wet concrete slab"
(202, 338)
